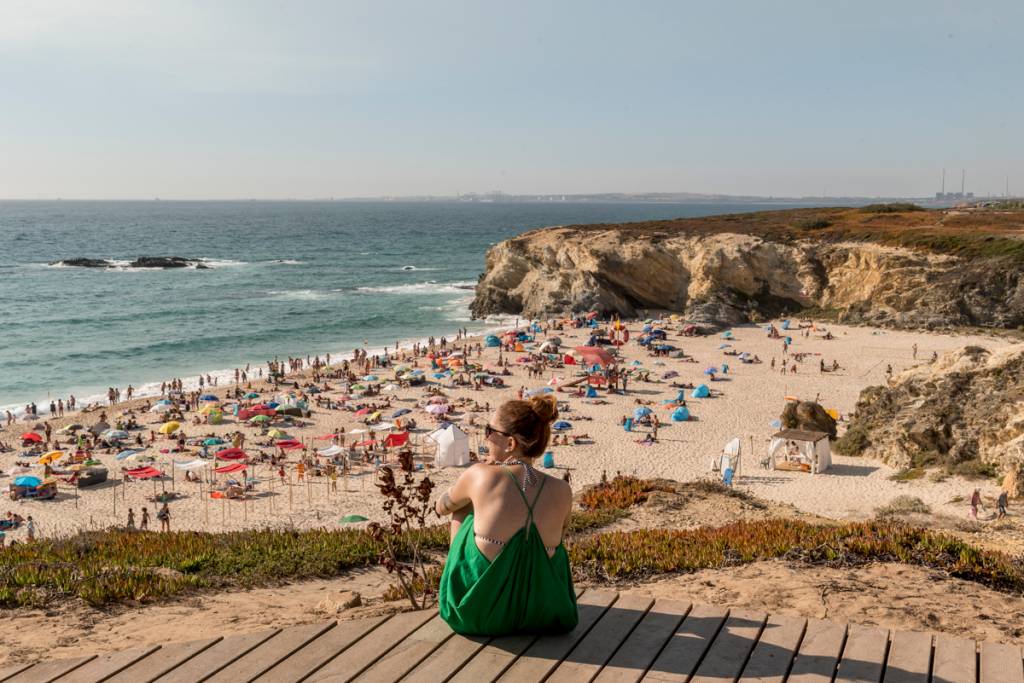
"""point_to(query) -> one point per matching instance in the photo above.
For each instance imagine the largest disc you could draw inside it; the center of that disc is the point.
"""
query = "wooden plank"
(863, 656)
(161, 661)
(7, 672)
(216, 657)
(819, 652)
(44, 672)
(447, 659)
(270, 652)
(772, 656)
(499, 654)
(1000, 663)
(404, 657)
(322, 650)
(955, 660)
(725, 658)
(910, 658)
(684, 650)
(632, 659)
(597, 647)
(538, 660)
(355, 660)
(103, 667)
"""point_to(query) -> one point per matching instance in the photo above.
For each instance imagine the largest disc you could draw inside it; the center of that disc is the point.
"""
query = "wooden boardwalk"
(620, 637)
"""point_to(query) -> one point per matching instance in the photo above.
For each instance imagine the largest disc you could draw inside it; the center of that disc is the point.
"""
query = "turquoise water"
(286, 278)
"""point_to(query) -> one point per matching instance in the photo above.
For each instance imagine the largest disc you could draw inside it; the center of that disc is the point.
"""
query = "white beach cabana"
(452, 446)
(800, 450)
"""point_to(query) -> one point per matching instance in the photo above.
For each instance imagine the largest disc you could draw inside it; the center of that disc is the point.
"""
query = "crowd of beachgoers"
(296, 442)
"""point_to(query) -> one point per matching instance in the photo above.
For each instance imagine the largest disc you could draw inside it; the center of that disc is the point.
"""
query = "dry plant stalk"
(407, 502)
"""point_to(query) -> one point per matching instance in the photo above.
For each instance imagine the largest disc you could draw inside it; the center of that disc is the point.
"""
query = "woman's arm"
(456, 497)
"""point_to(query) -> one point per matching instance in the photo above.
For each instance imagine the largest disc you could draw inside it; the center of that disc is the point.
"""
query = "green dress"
(521, 590)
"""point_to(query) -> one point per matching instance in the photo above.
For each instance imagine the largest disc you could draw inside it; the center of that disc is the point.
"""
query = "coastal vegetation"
(110, 568)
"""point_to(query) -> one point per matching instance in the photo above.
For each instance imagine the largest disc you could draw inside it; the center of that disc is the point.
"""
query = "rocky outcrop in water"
(734, 272)
(965, 411)
(140, 262)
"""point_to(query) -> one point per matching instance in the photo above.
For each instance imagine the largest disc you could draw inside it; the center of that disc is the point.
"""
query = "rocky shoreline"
(140, 262)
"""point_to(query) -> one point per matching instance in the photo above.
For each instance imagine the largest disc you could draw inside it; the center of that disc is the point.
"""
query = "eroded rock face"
(968, 405)
(809, 416)
(729, 278)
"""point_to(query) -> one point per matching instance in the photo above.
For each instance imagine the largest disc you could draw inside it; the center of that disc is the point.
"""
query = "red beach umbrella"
(31, 436)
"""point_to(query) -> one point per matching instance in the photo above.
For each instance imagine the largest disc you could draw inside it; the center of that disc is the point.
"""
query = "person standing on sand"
(1001, 504)
(30, 528)
(144, 522)
(131, 520)
(915, 351)
(165, 518)
(975, 503)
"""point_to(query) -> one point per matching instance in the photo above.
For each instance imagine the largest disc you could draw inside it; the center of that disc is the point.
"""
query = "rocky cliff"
(919, 269)
(967, 408)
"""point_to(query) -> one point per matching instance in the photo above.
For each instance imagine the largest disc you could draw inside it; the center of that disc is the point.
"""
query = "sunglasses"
(488, 430)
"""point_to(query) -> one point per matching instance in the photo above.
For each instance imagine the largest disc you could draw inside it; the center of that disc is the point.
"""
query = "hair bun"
(545, 407)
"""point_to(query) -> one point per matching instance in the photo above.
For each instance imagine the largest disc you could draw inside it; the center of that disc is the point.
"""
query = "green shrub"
(813, 224)
(973, 469)
(853, 442)
(892, 207)
(620, 493)
(903, 505)
(908, 474)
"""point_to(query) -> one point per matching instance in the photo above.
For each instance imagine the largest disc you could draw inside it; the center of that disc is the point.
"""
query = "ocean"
(284, 279)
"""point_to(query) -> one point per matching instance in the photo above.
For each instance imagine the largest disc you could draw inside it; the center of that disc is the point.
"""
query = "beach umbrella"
(438, 399)
(357, 431)
(208, 397)
(710, 371)
(72, 427)
(373, 416)
(361, 412)
(125, 454)
(438, 375)
(213, 441)
(31, 436)
(418, 372)
(352, 519)
(164, 401)
(358, 387)
(400, 412)
(670, 374)
(775, 424)
(437, 408)
(561, 426)
(51, 457)
(331, 451)
(370, 378)
(209, 409)
(169, 427)
(252, 394)
(277, 434)
(640, 412)
(30, 482)
(326, 437)
(389, 387)
(403, 368)
(382, 426)
(259, 418)
(161, 408)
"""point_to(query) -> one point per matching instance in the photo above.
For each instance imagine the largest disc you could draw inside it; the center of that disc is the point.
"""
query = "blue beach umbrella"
(28, 481)
(213, 441)
(208, 397)
(640, 412)
(164, 402)
(561, 426)
(370, 378)
(252, 394)
(400, 412)
(710, 371)
(125, 454)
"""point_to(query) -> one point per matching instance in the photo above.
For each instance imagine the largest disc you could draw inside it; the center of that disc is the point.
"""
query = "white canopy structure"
(196, 464)
(800, 449)
(452, 446)
(331, 451)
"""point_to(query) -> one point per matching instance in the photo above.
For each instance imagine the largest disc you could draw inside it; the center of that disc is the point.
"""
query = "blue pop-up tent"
(701, 391)
(591, 392)
(491, 341)
(681, 414)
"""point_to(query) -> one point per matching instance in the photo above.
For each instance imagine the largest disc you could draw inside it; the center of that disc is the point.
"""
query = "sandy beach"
(751, 398)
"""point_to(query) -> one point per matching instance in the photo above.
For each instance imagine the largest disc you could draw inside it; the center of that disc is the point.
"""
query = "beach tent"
(230, 468)
(196, 464)
(800, 449)
(397, 439)
(491, 341)
(681, 414)
(701, 391)
(591, 392)
(452, 446)
(785, 324)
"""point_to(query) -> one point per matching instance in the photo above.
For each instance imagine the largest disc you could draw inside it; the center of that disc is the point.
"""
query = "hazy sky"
(218, 99)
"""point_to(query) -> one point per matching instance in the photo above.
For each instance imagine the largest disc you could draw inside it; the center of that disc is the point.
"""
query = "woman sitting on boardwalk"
(507, 570)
